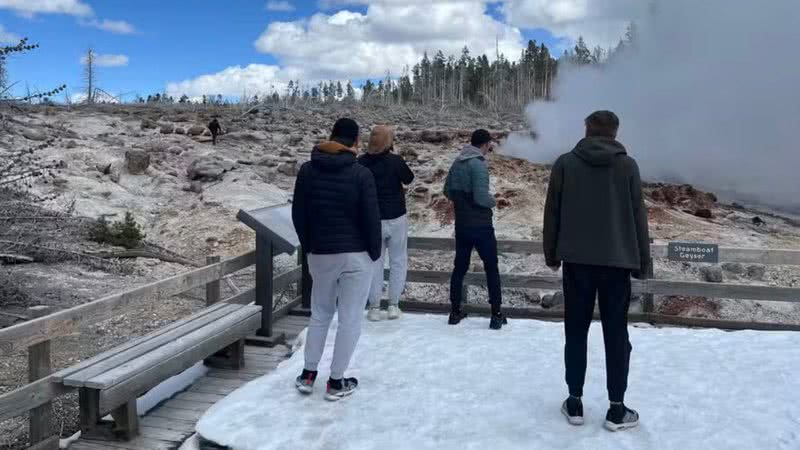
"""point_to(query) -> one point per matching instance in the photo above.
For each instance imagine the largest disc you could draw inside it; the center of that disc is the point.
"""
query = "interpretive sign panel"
(275, 224)
(693, 252)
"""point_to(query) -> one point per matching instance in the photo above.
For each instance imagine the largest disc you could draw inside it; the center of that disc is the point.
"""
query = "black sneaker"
(305, 382)
(456, 317)
(620, 417)
(339, 389)
(573, 410)
(497, 321)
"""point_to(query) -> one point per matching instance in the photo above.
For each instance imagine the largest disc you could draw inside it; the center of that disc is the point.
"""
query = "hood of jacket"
(598, 151)
(332, 156)
(469, 152)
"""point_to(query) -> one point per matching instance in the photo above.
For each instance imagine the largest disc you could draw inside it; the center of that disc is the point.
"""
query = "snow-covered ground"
(427, 385)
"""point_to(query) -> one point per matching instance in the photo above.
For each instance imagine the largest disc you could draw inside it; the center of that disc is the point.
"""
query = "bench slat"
(80, 379)
(132, 366)
(60, 375)
(164, 362)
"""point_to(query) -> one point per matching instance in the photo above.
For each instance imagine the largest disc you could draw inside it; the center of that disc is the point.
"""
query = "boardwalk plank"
(167, 424)
(164, 434)
(139, 443)
(209, 388)
(188, 405)
(232, 375)
(174, 413)
(198, 397)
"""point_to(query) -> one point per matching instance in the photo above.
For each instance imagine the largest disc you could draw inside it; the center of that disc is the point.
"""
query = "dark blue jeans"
(483, 240)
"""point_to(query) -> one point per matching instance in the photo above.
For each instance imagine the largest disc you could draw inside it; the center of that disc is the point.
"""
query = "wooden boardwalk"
(167, 426)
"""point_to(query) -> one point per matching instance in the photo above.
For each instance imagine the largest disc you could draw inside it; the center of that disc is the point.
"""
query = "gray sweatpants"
(395, 241)
(341, 284)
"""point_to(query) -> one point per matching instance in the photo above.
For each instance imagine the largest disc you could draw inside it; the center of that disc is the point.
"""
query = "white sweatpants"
(340, 283)
(395, 241)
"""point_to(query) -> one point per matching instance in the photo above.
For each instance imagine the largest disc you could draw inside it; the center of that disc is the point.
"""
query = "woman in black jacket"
(391, 172)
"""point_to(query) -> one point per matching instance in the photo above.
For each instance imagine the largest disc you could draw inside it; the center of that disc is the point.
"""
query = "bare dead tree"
(89, 76)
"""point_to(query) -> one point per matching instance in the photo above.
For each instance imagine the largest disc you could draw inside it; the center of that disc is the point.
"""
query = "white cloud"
(7, 37)
(30, 8)
(600, 22)
(255, 79)
(279, 6)
(388, 37)
(77, 8)
(113, 26)
(101, 60)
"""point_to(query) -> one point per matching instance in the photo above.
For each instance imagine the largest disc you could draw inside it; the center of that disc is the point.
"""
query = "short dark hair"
(602, 123)
(345, 132)
(480, 137)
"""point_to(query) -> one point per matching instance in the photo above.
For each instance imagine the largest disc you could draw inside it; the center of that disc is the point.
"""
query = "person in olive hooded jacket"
(595, 224)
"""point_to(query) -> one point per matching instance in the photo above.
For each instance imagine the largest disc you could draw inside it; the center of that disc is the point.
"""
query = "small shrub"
(126, 233)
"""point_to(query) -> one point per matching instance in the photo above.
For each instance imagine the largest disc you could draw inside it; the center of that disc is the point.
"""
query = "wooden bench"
(112, 381)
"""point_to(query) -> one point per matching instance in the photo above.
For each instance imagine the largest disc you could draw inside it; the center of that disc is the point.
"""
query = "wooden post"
(264, 274)
(305, 279)
(40, 428)
(89, 403)
(212, 288)
(126, 420)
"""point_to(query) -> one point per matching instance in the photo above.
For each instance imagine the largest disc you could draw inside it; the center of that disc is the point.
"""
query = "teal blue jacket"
(467, 186)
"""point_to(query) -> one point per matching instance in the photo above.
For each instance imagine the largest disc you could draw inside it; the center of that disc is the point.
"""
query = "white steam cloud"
(710, 98)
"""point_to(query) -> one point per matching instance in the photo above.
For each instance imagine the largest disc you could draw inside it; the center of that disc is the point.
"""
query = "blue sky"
(181, 41)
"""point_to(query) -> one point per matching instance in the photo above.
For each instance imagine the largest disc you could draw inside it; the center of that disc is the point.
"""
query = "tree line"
(438, 80)
(466, 80)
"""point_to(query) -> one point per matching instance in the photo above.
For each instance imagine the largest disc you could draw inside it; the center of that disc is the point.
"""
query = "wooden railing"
(37, 334)
(646, 287)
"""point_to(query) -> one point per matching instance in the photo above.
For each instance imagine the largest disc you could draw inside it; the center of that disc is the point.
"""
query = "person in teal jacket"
(467, 186)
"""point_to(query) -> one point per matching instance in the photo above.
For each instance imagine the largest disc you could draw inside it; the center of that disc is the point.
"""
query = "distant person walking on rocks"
(595, 223)
(391, 173)
(336, 216)
(467, 186)
(215, 129)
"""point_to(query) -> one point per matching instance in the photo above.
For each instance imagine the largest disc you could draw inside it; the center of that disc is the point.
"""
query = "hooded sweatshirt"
(391, 172)
(595, 212)
(467, 186)
(335, 205)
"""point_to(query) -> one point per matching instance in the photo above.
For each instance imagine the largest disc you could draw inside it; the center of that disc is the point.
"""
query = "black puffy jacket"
(335, 206)
(391, 173)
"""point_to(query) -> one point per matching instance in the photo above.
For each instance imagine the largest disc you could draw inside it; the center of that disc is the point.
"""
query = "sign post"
(275, 235)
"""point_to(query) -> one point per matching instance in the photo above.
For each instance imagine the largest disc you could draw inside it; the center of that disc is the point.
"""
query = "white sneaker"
(374, 315)
(393, 312)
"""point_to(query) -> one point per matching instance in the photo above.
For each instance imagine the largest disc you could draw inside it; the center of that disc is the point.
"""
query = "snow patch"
(169, 387)
(426, 385)
(193, 443)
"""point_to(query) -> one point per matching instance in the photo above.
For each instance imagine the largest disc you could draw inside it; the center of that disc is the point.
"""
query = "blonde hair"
(380, 139)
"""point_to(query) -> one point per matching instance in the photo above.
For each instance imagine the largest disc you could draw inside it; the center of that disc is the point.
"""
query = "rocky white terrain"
(158, 163)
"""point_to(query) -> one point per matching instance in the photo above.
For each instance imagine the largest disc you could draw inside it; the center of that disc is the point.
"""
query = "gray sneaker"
(339, 389)
(620, 417)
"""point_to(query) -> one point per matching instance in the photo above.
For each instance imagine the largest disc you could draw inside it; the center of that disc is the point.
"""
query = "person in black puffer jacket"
(391, 173)
(336, 216)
